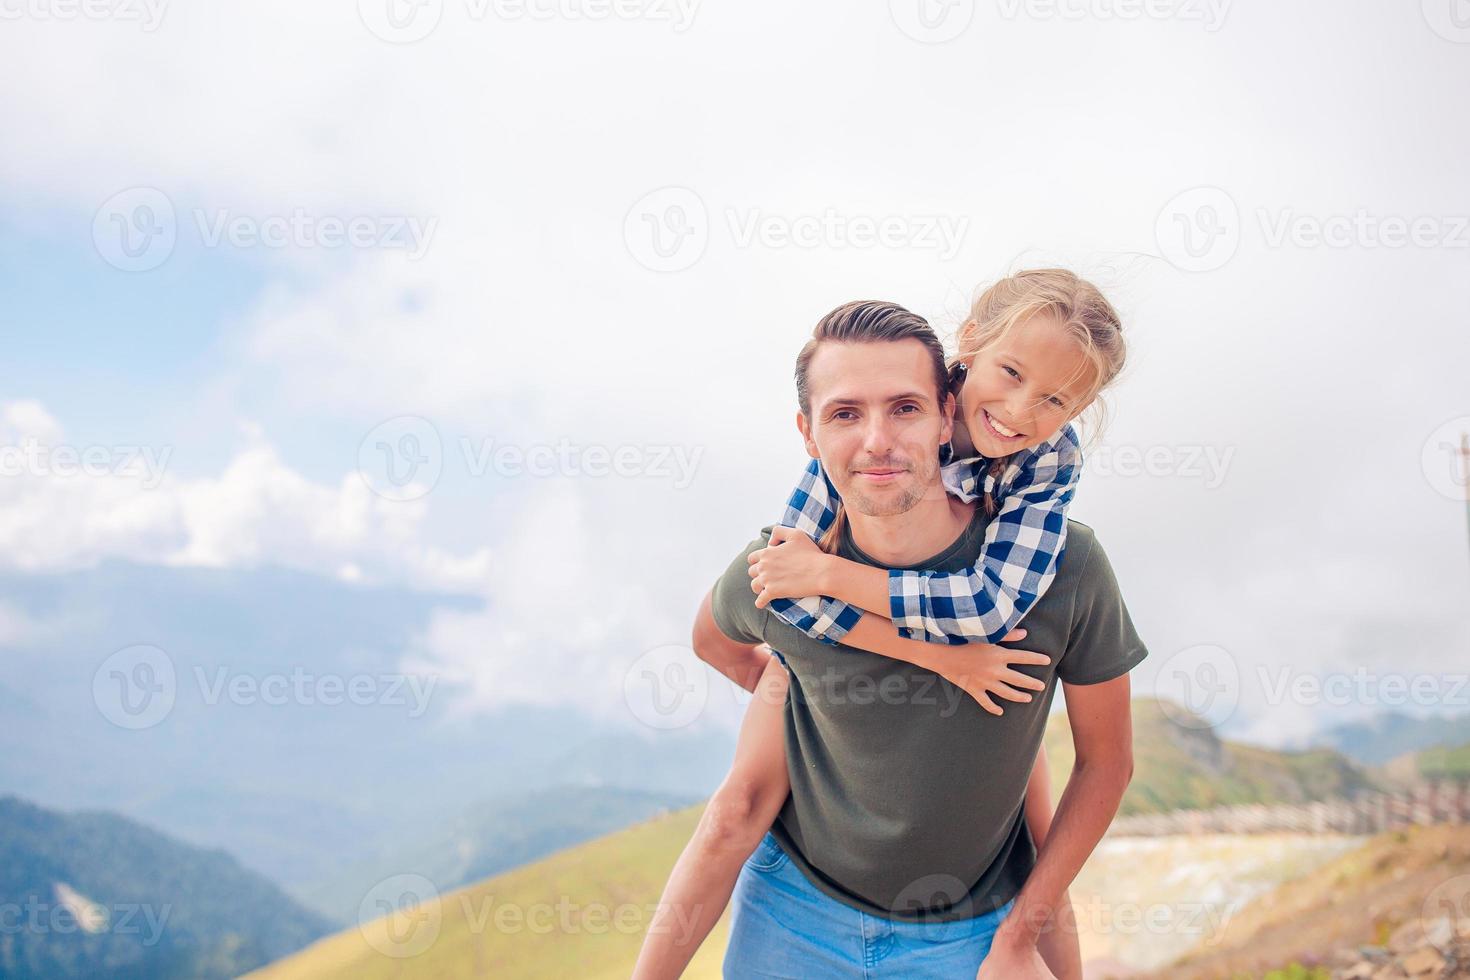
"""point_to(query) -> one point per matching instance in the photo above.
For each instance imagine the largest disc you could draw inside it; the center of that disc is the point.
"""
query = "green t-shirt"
(906, 795)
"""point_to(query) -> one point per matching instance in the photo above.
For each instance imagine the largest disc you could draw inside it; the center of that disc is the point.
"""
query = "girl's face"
(1020, 392)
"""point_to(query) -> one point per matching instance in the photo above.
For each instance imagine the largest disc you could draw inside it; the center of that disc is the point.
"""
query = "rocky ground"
(1397, 907)
(1438, 949)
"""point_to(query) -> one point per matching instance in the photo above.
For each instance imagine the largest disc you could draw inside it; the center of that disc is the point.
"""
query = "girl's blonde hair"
(1081, 309)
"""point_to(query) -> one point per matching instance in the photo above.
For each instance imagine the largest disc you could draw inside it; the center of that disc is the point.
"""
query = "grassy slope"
(1445, 763)
(622, 873)
(1177, 766)
(1439, 762)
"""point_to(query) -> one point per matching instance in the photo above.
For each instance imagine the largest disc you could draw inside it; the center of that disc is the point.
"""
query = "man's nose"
(878, 435)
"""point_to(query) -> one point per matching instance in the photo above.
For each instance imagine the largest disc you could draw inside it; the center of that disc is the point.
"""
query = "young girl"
(1036, 351)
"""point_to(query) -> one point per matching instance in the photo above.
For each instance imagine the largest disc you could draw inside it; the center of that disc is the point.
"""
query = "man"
(902, 849)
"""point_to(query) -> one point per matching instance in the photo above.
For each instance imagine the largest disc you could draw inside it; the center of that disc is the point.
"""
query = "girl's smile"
(999, 430)
(1019, 392)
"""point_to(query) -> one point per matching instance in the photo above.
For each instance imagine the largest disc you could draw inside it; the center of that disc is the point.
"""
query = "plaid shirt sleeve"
(1018, 561)
(811, 509)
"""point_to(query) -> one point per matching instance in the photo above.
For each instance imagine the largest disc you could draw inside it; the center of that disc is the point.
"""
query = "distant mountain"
(497, 835)
(298, 789)
(98, 895)
(1180, 763)
(1392, 734)
(685, 764)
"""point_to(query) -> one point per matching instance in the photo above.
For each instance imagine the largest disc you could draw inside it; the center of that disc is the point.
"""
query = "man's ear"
(946, 427)
(804, 426)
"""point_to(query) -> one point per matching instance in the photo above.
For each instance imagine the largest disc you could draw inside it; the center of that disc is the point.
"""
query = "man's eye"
(908, 408)
(844, 416)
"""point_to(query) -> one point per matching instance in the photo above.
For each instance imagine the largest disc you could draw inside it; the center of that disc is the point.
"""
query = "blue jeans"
(783, 926)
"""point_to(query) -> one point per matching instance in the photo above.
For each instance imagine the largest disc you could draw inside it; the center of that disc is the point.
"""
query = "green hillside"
(1445, 762)
(93, 894)
(1177, 766)
(595, 897)
(1180, 763)
(1437, 762)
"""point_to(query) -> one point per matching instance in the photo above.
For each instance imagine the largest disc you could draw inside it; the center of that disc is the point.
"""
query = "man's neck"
(921, 532)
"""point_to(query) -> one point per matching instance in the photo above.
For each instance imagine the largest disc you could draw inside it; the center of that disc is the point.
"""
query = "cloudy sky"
(500, 298)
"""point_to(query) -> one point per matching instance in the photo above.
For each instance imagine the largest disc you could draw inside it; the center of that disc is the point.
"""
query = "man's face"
(876, 423)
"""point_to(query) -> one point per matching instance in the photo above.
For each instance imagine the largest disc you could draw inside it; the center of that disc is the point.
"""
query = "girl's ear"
(957, 374)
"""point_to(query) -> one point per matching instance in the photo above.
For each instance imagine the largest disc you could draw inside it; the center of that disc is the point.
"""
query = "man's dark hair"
(869, 321)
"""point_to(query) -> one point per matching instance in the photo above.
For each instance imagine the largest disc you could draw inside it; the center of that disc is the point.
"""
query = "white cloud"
(258, 511)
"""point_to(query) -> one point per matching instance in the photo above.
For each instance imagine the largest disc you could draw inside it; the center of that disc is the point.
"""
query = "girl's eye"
(1010, 371)
(1056, 401)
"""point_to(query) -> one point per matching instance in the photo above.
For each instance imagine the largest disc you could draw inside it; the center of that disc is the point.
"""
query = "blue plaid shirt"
(1023, 544)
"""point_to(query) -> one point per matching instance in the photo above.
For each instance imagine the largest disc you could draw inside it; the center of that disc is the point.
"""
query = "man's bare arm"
(1102, 729)
(743, 663)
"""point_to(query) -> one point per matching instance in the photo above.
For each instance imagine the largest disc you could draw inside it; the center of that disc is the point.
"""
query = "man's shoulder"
(1081, 555)
(732, 604)
(1082, 535)
(1084, 569)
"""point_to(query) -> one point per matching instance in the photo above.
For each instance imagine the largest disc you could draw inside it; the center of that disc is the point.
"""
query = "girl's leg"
(1059, 944)
(734, 821)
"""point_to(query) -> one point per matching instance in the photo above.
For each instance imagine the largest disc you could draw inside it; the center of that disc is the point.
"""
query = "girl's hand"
(791, 567)
(984, 669)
